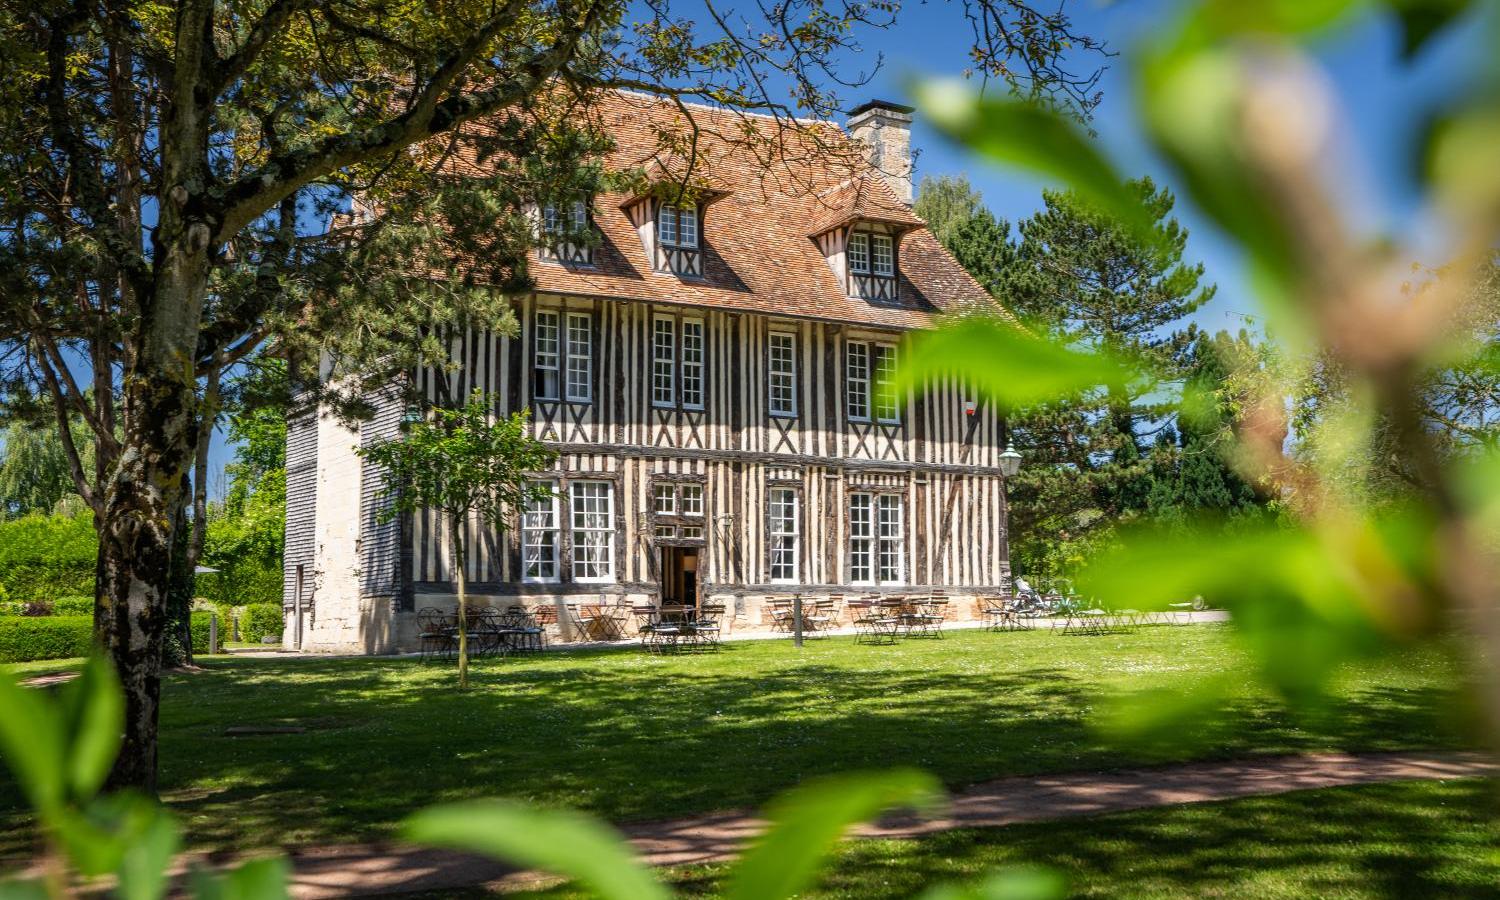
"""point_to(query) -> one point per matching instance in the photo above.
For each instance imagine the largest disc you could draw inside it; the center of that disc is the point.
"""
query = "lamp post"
(1010, 464)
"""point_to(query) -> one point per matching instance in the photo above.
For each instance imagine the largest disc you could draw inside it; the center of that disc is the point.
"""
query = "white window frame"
(890, 538)
(886, 409)
(667, 491)
(861, 538)
(692, 368)
(882, 255)
(784, 534)
(858, 252)
(539, 522)
(579, 357)
(876, 537)
(781, 377)
(691, 500)
(592, 534)
(545, 361)
(857, 381)
(663, 362)
(677, 225)
(666, 225)
(580, 216)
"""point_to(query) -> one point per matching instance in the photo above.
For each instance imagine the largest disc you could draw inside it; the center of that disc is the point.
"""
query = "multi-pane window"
(692, 500)
(580, 358)
(678, 509)
(876, 539)
(677, 362)
(569, 357)
(882, 255)
(861, 539)
(857, 379)
(593, 530)
(663, 362)
(545, 356)
(784, 533)
(888, 569)
(859, 252)
(868, 369)
(539, 538)
(872, 254)
(883, 357)
(692, 363)
(664, 499)
(555, 226)
(677, 226)
(781, 363)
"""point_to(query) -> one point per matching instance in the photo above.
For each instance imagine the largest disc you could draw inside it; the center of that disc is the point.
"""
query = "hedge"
(199, 623)
(43, 557)
(25, 638)
(260, 620)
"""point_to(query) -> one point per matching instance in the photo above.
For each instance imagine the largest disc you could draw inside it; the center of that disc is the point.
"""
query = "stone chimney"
(884, 128)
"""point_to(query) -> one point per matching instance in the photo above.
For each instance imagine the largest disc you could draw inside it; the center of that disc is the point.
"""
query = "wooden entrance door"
(679, 575)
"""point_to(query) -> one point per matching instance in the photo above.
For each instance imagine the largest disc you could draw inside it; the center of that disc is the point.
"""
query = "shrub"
(199, 622)
(48, 556)
(23, 639)
(78, 605)
(260, 620)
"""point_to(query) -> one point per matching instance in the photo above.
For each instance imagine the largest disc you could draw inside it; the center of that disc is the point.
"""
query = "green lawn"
(632, 737)
(1413, 839)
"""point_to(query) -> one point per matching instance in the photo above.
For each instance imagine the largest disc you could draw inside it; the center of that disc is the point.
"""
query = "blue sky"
(1385, 100)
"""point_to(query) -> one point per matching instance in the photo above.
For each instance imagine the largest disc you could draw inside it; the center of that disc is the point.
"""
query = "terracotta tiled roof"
(865, 196)
(757, 234)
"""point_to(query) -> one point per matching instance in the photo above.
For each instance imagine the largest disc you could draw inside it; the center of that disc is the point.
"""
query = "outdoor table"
(604, 624)
(877, 629)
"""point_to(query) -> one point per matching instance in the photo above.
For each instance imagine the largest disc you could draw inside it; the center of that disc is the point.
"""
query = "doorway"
(679, 575)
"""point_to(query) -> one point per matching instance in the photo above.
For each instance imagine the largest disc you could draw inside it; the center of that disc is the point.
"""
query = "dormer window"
(871, 258)
(677, 226)
(677, 236)
(563, 225)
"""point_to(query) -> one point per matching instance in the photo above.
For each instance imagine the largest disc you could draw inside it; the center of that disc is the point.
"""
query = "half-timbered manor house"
(708, 372)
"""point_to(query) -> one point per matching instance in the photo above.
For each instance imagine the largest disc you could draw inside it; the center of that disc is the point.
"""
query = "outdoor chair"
(924, 617)
(781, 613)
(994, 612)
(703, 631)
(819, 615)
(873, 622)
(437, 635)
(522, 633)
(487, 632)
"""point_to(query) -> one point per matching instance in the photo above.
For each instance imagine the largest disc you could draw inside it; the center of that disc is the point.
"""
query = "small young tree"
(459, 462)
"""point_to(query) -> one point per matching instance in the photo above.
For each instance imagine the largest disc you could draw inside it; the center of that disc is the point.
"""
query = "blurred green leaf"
(1214, 21)
(143, 868)
(31, 740)
(16, 889)
(808, 821)
(1003, 362)
(97, 837)
(564, 843)
(260, 879)
(1422, 20)
(95, 710)
(1304, 601)
(1011, 883)
(1192, 108)
(1460, 160)
(1035, 138)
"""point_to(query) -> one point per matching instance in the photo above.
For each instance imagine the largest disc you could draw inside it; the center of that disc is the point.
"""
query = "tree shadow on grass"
(634, 737)
(1427, 839)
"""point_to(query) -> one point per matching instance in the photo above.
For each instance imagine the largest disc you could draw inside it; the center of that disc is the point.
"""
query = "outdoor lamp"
(1010, 460)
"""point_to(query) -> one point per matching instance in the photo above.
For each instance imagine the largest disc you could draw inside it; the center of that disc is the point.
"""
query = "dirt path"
(365, 869)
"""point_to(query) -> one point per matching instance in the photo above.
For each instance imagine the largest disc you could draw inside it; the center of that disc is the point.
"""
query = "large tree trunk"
(456, 543)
